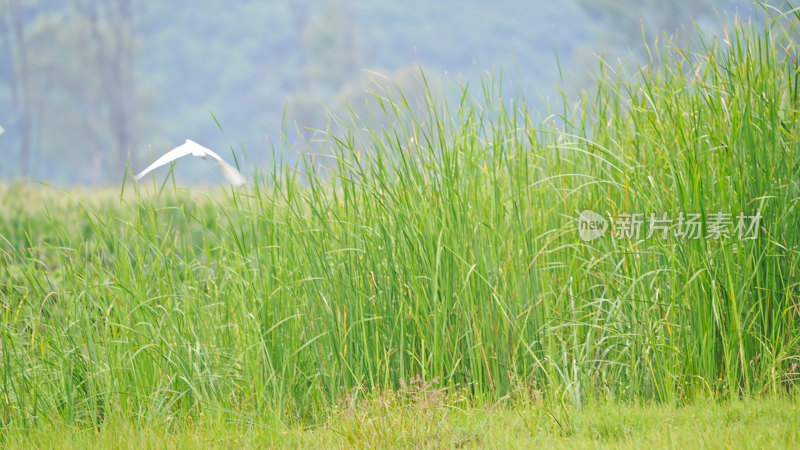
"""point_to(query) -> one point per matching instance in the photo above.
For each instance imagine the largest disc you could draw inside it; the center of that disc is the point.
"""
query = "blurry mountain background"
(88, 85)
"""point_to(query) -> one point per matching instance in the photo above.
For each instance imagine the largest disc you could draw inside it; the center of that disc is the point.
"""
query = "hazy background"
(86, 85)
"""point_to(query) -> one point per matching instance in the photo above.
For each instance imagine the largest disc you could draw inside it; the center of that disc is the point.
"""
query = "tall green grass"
(443, 247)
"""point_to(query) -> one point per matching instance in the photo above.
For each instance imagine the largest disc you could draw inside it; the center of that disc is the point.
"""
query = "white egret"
(191, 147)
(2, 130)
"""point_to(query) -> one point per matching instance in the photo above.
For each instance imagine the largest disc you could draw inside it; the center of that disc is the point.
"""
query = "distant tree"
(15, 47)
(330, 47)
(360, 96)
(299, 22)
(628, 16)
(617, 27)
(329, 60)
(111, 41)
(306, 114)
(388, 102)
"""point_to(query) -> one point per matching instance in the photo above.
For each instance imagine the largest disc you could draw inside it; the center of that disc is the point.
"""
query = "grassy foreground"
(773, 423)
(441, 250)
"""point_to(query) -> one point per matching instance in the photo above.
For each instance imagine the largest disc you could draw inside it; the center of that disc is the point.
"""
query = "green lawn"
(763, 423)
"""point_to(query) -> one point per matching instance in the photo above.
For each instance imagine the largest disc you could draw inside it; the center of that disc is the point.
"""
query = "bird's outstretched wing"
(172, 155)
(231, 174)
(2, 130)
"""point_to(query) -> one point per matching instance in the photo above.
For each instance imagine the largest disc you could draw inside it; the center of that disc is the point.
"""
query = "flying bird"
(191, 147)
(2, 130)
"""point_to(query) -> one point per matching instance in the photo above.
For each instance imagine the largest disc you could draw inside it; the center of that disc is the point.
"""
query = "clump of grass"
(443, 247)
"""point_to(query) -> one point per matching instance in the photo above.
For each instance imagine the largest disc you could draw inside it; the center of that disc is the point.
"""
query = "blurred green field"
(440, 248)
